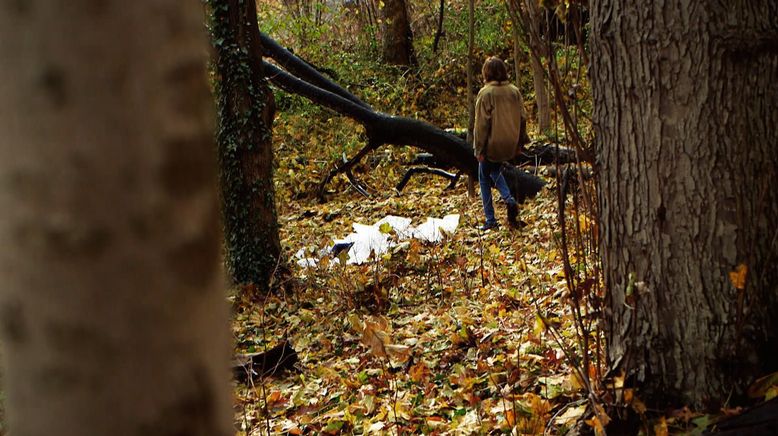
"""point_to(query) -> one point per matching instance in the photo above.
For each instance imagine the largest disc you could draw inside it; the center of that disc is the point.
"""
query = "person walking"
(498, 123)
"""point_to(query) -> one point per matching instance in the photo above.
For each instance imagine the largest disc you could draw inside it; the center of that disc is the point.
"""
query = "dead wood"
(380, 128)
(277, 359)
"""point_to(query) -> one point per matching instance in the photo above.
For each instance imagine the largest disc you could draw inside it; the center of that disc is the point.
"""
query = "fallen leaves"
(456, 345)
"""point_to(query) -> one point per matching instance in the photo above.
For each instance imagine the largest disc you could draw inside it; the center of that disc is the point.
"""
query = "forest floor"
(444, 338)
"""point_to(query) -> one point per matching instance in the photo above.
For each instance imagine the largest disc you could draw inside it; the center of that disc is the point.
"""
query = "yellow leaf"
(571, 415)
(540, 327)
(738, 276)
(584, 222)
(660, 428)
(762, 385)
(575, 382)
(355, 322)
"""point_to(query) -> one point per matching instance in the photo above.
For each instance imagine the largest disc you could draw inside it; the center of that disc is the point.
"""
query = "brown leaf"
(738, 276)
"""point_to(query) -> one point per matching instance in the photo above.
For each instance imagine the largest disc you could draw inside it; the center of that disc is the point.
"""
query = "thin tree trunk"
(541, 95)
(113, 317)
(439, 32)
(470, 62)
(246, 109)
(538, 74)
(685, 122)
(517, 58)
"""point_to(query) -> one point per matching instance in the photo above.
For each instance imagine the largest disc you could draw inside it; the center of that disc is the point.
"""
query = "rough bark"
(246, 109)
(111, 311)
(685, 119)
(398, 39)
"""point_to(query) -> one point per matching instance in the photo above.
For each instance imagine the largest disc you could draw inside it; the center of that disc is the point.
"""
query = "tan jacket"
(498, 112)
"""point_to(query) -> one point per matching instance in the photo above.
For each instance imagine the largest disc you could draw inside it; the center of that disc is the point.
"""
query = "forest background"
(453, 318)
(638, 297)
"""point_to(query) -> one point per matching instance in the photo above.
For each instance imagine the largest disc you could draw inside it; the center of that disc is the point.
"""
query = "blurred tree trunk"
(113, 316)
(246, 110)
(687, 143)
(398, 39)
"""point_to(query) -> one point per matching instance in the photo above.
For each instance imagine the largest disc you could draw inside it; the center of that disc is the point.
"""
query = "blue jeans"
(490, 174)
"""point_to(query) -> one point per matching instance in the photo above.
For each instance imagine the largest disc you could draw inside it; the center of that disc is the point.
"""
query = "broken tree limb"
(545, 154)
(383, 129)
(451, 177)
(304, 70)
(346, 167)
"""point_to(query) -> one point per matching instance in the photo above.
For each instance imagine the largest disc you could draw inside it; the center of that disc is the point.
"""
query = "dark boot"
(513, 213)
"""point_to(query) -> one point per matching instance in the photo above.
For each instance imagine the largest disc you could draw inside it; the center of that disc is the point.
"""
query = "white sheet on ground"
(433, 229)
(370, 241)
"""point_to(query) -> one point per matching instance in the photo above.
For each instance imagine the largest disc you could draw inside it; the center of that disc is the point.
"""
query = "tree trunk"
(111, 311)
(439, 32)
(470, 62)
(541, 95)
(538, 73)
(687, 142)
(246, 110)
(398, 39)
(518, 54)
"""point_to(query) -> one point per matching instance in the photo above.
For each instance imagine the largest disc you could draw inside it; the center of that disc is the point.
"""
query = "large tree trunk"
(246, 110)
(685, 114)
(112, 315)
(398, 39)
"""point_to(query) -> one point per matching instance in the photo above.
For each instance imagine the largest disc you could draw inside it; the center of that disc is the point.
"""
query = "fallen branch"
(381, 128)
(279, 358)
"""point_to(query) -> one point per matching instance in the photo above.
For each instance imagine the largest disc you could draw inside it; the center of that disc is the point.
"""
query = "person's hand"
(480, 158)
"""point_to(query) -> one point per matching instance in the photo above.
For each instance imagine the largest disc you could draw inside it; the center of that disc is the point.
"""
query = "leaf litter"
(421, 339)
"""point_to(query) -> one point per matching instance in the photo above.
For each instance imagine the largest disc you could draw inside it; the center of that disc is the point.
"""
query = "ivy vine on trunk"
(246, 109)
